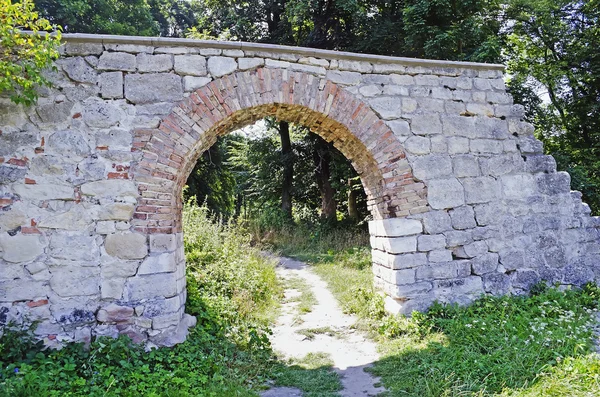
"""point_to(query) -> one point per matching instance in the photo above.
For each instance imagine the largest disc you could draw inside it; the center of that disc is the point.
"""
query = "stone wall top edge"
(239, 45)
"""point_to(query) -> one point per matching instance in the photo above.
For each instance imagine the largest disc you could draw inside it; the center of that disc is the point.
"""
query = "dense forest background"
(285, 173)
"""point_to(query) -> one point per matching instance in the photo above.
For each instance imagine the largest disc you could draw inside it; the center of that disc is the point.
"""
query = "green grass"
(313, 374)
(306, 300)
(310, 333)
(524, 346)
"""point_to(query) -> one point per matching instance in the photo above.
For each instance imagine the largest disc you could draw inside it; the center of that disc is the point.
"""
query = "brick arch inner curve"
(170, 152)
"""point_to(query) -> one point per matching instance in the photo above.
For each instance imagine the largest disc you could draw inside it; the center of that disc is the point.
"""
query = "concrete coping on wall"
(244, 46)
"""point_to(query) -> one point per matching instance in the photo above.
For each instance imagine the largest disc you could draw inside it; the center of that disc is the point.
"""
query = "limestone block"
(163, 263)
(454, 288)
(432, 166)
(439, 144)
(459, 126)
(75, 280)
(370, 90)
(166, 321)
(397, 245)
(150, 286)
(193, 65)
(57, 112)
(395, 227)
(71, 144)
(75, 247)
(154, 63)
(163, 242)
(12, 218)
(354, 66)
(428, 242)
(480, 190)
(111, 85)
(76, 218)
(528, 144)
(401, 261)
(115, 138)
(418, 145)
(133, 48)
(436, 222)
(344, 78)
(100, 114)
(21, 247)
(498, 97)
(105, 227)
(511, 259)
(311, 69)
(395, 90)
(40, 191)
(117, 61)
(126, 245)
(250, 63)
(426, 124)
(442, 271)
(12, 143)
(110, 188)
(540, 163)
(397, 277)
(272, 63)
(220, 66)
(553, 184)
(465, 166)
(486, 146)
(518, 186)
(10, 174)
(83, 48)
(114, 313)
(438, 256)
(387, 107)
(388, 68)
(400, 128)
(192, 83)
(496, 283)
(79, 70)
(463, 218)
(484, 264)
(22, 290)
(411, 290)
(155, 87)
(445, 193)
(118, 268)
(116, 212)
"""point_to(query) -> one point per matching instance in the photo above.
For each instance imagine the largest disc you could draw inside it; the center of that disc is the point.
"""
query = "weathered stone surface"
(44, 192)
(480, 190)
(76, 218)
(75, 281)
(193, 65)
(79, 70)
(116, 212)
(114, 314)
(387, 107)
(220, 66)
(100, 114)
(21, 248)
(463, 217)
(58, 112)
(150, 286)
(68, 143)
(83, 48)
(111, 85)
(163, 243)
(434, 166)
(163, 263)
(117, 61)
(110, 188)
(71, 246)
(192, 83)
(395, 227)
(154, 63)
(126, 245)
(344, 78)
(22, 290)
(250, 63)
(445, 193)
(156, 87)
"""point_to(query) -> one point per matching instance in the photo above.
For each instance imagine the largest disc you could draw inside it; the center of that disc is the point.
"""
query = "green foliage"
(132, 17)
(24, 57)
(552, 48)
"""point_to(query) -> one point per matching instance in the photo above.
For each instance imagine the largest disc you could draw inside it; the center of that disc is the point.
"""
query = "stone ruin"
(463, 200)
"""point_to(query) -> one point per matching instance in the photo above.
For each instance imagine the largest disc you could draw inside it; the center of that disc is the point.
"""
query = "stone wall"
(463, 200)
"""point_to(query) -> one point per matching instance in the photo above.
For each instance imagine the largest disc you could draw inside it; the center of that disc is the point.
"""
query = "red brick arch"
(170, 152)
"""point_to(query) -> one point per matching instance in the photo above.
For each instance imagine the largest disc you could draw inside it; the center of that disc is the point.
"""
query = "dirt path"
(350, 351)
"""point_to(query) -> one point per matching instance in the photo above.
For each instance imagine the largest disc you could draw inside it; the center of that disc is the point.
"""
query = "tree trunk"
(322, 159)
(352, 196)
(287, 158)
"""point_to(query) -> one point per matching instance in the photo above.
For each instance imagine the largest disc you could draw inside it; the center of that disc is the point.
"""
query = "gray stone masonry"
(464, 201)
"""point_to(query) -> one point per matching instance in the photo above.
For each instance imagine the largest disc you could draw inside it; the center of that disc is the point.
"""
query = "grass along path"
(321, 338)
